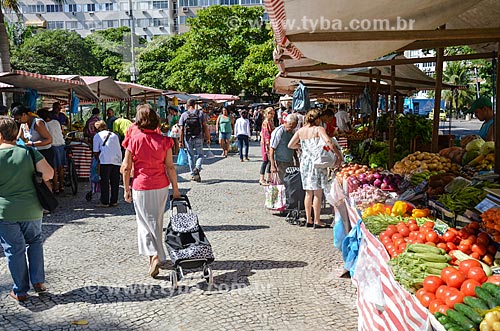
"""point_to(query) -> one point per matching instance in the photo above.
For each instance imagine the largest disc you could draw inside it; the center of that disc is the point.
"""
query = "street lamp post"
(133, 69)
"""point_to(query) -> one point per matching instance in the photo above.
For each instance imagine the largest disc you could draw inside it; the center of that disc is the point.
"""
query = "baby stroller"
(295, 195)
(186, 242)
(95, 179)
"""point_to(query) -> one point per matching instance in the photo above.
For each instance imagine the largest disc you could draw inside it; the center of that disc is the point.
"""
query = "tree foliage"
(223, 48)
(55, 52)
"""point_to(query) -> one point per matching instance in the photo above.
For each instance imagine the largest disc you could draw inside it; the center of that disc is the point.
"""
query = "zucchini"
(475, 303)
(460, 319)
(494, 290)
(486, 297)
(431, 257)
(469, 312)
(423, 248)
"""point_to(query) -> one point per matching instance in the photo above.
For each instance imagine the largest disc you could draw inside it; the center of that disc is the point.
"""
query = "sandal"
(40, 287)
(263, 183)
(154, 268)
(20, 298)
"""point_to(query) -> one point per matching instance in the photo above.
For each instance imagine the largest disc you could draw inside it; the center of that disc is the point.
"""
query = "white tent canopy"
(356, 31)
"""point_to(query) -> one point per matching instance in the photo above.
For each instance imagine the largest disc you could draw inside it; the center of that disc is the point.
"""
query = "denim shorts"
(225, 135)
(59, 156)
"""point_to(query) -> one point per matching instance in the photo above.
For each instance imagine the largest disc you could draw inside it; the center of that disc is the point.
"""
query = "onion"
(386, 180)
(383, 186)
(377, 175)
(377, 182)
(362, 176)
(366, 185)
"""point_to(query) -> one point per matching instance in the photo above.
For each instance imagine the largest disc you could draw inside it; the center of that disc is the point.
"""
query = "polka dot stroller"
(95, 179)
(186, 242)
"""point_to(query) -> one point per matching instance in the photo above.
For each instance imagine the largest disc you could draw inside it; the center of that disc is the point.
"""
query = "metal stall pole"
(437, 100)
(391, 116)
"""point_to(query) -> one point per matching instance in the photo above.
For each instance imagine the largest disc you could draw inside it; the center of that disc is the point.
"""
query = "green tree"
(111, 48)
(212, 56)
(256, 74)
(154, 58)
(458, 73)
(56, 52)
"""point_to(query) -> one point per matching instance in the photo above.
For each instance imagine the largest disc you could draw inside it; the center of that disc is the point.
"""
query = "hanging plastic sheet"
(30, 99)
(75, 102)
(301, 101)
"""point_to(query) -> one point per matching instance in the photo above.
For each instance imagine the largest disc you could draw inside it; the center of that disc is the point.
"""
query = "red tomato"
(455, 279)
(488, 259)
(443, 246)
(391, 229)
(443, 309)
(434, 304)
(483, 239)
(477, 273)
(468, 287)
(475, 255)
(465, 265)
(466, 248)
(447, 271)
(432, 283)
(472, 239)
(428, 225)
(421, 237)
(451, 246)
(452, 299)
(419, 293)
(449, 236)
(432, 236)
(479, 248)
(430, 243)
(426, 299)
(441, 291)
(396, 236)
(413, 227)
(404, 230)
(495, 279)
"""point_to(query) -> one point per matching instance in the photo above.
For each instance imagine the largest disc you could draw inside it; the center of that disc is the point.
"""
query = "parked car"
(442, 115)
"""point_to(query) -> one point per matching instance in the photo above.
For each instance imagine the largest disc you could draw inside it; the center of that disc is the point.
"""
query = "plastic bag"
(182, 158)
(350, 248)
(275, 195)
(210, 154)
(338, 231)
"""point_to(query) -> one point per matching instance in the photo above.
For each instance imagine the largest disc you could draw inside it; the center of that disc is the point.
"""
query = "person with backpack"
(194, 130)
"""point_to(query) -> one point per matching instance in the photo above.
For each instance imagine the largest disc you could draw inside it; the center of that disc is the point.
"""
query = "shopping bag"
(174, 132)
(210, 154)
(324, 156)
(182, 158)
(275, 195)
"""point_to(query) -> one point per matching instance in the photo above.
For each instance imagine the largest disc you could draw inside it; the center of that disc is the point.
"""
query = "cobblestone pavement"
(269, 275)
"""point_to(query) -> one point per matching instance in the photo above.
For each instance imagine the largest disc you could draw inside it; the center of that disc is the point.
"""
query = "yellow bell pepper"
(399, 208)
(418, 213)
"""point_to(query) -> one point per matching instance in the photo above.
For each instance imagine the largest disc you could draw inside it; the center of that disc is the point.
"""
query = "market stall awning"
(351, 32)
(184, 97)
(408, 78)
(141, 92)
(47, 85)
(105, 88)
(217, 97)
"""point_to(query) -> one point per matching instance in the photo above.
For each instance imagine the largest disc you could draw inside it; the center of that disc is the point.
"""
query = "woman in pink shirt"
(150, 153)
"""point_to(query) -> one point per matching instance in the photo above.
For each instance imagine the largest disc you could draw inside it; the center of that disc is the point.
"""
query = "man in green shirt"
(120, 127)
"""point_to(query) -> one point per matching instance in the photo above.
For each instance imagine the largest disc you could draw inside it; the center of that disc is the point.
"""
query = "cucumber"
(460, 319)
(468, 312)
(475, 303)
(494, 290)
(486, 297)
(423, 248)
(455, 327)
(441, 318)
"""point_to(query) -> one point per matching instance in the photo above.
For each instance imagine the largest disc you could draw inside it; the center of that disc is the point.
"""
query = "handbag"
(324, 156)
(44, 194)
(275, 194)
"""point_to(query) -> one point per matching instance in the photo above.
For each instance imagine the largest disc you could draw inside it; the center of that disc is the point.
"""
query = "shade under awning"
(138, 91)
(351, 32)
(47, 85)
(218, 97)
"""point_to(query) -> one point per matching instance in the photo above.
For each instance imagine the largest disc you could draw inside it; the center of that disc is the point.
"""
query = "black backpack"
(192, 124)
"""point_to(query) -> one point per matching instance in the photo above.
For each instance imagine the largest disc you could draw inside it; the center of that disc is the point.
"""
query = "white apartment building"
(152, 17)
(428, 67)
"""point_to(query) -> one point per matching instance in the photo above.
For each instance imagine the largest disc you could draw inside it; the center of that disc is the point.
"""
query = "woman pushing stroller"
(150, 154)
